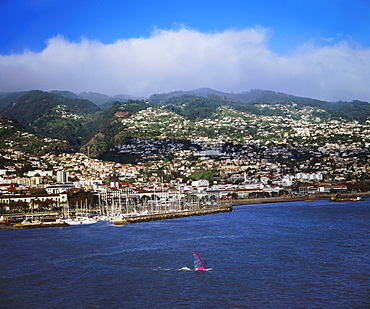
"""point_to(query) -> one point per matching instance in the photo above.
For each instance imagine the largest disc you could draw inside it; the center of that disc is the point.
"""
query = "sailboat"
(30, 220)
(83, 219)
(198, 263)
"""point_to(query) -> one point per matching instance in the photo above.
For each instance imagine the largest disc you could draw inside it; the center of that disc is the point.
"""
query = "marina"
(21, 221)
(122, 214)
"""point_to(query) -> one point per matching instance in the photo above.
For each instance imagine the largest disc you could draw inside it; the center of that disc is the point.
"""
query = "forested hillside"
(54, 116)
(16, 142)
(110, 126)
(210, 99)
(205, 113)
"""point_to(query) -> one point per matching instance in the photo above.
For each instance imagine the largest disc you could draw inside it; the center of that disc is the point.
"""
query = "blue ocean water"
(282, 255)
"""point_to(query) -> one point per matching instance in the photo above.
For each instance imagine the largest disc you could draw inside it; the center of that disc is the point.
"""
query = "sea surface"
(282, 255)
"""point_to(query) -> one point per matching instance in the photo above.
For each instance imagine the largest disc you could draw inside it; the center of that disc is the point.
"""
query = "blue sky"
(310, 48)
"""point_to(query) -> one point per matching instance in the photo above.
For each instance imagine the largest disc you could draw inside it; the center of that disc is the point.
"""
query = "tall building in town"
(62, 177)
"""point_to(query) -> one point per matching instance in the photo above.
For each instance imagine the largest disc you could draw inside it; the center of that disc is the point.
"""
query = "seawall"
(295, 198)
(20, 226)
(172, 215)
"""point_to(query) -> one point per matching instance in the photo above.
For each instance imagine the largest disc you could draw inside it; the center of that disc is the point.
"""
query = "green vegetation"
(109, 129)
(204, 174)
(16, 144)
(204, 113)
(54, 116)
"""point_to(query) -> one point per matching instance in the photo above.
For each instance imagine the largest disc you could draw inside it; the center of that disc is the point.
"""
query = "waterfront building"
(10, 203)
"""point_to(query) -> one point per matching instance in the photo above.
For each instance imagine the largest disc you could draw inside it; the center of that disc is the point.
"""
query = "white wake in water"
(182, 269)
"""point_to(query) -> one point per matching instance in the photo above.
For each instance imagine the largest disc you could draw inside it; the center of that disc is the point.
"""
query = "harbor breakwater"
(172, 215)
(279, 199)
(22, 226)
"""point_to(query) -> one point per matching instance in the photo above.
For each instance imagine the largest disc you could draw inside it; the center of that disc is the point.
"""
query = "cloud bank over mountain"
(184, 59)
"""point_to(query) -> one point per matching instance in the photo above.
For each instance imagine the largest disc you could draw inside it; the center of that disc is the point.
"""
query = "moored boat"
(30, 220)
(80, 220)
(346, 199)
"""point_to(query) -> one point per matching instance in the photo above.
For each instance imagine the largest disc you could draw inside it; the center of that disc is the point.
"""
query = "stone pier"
(171, 215)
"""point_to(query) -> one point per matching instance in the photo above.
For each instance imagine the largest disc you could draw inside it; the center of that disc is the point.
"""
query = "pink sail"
(198, 263)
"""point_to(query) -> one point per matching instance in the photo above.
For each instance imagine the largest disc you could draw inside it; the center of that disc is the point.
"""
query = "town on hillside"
(197, 177)
(165, 163)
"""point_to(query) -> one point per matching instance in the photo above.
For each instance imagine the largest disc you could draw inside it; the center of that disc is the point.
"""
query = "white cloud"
(185, 59)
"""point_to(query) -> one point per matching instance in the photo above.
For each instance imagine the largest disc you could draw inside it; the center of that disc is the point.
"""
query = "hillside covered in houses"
(258, 143)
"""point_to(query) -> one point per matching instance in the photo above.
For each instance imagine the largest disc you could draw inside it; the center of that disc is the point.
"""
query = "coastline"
(267, 200)
(20, 226)
(237, 202)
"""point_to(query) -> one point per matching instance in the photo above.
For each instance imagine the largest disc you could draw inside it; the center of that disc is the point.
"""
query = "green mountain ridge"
(87, 127)
(54, 116)
(102, 100)
(252, 96)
